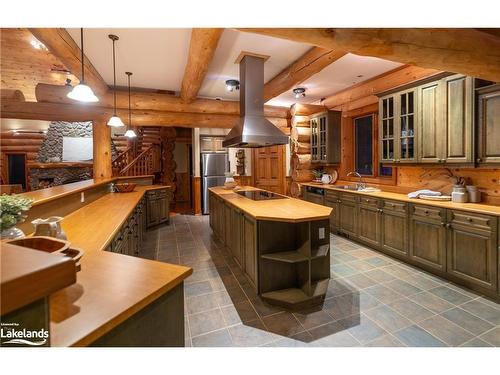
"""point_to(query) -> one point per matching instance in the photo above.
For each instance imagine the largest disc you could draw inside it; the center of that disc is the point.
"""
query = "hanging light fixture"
(114, 121)
(130, 133)
(299, 92)
(82, 92)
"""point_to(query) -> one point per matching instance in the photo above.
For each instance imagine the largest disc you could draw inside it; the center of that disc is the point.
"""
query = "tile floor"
(372, 299)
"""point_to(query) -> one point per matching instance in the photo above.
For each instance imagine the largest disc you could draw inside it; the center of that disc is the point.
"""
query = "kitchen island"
(281, 244)
(118, 299)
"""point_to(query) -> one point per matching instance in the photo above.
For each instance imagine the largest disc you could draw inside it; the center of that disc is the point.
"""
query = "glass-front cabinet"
(325, 137)
(397, 127)
(314, 139)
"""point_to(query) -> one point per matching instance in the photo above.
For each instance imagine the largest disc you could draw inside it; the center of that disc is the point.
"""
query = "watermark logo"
(10, 333)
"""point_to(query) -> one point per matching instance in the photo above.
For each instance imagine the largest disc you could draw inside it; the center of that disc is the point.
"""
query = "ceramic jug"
(326, 178)
(50, 227)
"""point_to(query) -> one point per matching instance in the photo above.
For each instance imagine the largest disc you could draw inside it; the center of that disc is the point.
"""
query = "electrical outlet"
(321, 233)
(82, 197)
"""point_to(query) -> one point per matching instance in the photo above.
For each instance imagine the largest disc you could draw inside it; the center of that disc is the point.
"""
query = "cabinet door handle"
(479, 160)
(448, 225)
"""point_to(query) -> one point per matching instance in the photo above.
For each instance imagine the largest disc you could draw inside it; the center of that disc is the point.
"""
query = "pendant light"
(130, 133)
(114, 121)
(82, 92)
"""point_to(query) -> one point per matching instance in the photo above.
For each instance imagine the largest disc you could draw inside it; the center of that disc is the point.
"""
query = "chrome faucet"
(361, 184)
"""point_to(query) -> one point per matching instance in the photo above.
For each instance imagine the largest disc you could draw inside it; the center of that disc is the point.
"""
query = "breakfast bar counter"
(113, 292)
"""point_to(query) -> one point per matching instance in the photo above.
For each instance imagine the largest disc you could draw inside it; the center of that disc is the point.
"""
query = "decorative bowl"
(125, 187)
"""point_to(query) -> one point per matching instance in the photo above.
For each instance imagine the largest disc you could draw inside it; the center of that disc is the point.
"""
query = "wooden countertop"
(110, 287)
(471, 207)
(28, 275)
(288, 210)
(46, 195)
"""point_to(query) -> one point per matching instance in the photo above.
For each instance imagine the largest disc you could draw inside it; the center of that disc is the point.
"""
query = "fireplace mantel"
(81, 164)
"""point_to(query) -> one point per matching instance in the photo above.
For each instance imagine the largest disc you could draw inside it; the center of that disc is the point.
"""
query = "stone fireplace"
(50, 170)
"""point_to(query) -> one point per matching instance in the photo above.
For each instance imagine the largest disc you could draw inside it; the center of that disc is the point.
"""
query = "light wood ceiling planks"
(22, 66)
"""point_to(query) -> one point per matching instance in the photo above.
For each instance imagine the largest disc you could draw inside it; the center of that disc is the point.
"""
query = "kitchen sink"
(366, 189)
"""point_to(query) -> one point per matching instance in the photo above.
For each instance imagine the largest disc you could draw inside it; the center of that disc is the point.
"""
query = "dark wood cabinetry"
(325, 137)
(332, 200)
(472, 248)
(348, 212)
(428, 237)
(394, 228)
(488, 124)
(158, 206)
(461, 246)
(369, 221)
(287, 263)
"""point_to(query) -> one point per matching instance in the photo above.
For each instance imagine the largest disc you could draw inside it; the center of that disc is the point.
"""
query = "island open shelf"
(285, 257)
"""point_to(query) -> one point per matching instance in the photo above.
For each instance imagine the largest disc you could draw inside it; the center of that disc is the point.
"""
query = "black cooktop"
(260, 195)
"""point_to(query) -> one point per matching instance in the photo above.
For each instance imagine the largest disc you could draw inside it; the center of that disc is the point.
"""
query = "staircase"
(139, 157)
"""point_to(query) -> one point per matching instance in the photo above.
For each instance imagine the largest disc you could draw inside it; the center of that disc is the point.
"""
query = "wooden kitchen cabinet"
(428, 236)
(158, 206)
(237, 236)
(332, 200)
(472, 251)
(397, 127)
(325, 137)
(369, 221)
(394, 228)
(348, 222)
(249, 248)
(488, 124)
(445, 120)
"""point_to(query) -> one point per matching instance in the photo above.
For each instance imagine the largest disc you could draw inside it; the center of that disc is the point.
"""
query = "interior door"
(269, 168)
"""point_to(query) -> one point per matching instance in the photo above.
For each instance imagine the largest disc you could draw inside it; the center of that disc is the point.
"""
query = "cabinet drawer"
(429, 212)
(348, 198)
(395, 206)
(369, 201)
(331, 195)
(472, 220)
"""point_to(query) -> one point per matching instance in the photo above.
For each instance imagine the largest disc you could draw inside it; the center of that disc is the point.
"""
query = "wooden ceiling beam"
(312, 62)
(153, 101)
(386, 81)
(61, 45)
(82, 112)
(201, 51)
(466, 51)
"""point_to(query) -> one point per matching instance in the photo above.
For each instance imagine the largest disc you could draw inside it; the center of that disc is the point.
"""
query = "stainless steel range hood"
(253, 129)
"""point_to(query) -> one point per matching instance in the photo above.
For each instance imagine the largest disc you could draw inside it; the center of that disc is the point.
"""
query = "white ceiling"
(158, 57)
(343, 73)
(282, 53)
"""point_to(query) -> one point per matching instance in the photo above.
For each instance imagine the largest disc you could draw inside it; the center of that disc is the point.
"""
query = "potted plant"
(13, 210)
(317, 173)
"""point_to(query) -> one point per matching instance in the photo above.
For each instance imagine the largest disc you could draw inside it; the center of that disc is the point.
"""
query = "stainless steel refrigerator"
(213, 167)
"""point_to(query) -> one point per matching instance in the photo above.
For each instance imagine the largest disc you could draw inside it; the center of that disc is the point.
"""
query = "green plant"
(13, 209)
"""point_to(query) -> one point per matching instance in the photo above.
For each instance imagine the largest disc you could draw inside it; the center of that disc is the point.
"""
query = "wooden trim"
(246, 53)
(62, 45)
(460, 50)
(201, 51)
(197, 195)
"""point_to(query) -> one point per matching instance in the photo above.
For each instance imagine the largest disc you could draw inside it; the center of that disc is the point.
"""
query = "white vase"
(11, 233)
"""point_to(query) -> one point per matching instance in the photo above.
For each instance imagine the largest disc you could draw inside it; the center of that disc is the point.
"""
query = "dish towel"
(416, 194)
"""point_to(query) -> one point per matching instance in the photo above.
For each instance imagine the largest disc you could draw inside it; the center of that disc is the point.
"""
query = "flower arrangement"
(317, 173)
(12, 210)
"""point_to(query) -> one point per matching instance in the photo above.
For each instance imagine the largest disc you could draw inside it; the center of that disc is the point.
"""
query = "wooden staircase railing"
(122, 160)
(146, 163)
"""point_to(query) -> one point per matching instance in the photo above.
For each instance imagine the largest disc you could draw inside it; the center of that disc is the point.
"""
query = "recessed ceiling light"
(218, 98)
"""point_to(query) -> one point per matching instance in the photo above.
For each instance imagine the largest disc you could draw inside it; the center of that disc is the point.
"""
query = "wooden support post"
(102, 149)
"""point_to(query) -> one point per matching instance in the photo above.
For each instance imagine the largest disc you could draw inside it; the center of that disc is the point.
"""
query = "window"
(365, 148)
(363, 142)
